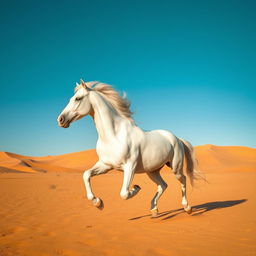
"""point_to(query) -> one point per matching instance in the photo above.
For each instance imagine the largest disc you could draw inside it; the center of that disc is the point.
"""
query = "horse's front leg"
(97, 169)
(126, 193)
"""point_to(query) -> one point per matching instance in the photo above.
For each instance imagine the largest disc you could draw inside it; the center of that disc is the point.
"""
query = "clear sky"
(186, 66)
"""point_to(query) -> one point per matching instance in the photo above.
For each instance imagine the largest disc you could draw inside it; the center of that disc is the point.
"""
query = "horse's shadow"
(196, 209)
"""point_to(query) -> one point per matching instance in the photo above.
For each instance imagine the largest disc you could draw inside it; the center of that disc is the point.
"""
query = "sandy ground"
(43, 209)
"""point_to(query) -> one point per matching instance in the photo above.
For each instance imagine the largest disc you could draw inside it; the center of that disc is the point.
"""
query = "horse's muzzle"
(63, 122)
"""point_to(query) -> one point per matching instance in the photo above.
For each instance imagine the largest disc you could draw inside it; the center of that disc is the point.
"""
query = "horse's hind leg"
(177, 166)
(182, 178)
(161, 187)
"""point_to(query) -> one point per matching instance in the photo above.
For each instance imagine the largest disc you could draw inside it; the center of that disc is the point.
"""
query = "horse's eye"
(78, 98)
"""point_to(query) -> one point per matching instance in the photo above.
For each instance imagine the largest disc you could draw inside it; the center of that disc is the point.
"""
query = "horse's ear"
(83, 83)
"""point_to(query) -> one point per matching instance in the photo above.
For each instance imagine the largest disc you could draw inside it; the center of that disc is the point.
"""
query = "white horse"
(124, 146)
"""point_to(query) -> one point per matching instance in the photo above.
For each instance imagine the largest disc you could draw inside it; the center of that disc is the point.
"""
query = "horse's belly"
(154, 163)
(155, 157)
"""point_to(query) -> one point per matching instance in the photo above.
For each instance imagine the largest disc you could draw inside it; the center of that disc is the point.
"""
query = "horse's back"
(168, 135)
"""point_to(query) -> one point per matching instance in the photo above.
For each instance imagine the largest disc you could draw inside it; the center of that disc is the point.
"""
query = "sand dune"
(226, 158)
(210, 158)
(44, 212)
(73, 162)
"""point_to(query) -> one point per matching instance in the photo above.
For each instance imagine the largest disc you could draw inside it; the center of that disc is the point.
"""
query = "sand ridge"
(210, 157)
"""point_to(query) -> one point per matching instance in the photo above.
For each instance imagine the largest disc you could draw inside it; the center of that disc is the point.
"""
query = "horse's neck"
(105, 117)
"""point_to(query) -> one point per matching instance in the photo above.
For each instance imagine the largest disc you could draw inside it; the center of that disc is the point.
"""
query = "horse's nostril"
(61, 119)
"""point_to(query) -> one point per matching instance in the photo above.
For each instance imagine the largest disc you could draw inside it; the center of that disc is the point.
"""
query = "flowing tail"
(191, 160)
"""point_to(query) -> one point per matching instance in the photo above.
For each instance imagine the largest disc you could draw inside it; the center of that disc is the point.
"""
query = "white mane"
(120, 104)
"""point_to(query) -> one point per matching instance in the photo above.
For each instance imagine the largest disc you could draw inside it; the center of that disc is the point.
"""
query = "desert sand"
(43, 209)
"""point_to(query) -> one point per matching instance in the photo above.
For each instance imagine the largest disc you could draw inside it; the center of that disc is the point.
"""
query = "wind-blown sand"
(43, 209)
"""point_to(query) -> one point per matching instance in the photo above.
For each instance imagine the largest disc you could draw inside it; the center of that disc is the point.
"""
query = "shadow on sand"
(196, 209)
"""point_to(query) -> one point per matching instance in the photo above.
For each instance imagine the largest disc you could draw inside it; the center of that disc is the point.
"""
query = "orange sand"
(43, 210)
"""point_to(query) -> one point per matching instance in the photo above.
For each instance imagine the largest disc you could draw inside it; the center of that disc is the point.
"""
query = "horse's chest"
(113, 154)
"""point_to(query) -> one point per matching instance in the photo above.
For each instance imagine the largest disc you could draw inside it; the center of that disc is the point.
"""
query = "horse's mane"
(120, 104)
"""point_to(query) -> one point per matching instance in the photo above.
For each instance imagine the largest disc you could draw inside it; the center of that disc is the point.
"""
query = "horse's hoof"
(154, 212)
(188, 209)
(97, 202)
(137, 188)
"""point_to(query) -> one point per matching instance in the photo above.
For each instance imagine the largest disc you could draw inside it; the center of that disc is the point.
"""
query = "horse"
(122, 145)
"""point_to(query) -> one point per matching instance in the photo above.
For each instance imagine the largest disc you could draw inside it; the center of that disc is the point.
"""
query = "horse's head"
(79, 106)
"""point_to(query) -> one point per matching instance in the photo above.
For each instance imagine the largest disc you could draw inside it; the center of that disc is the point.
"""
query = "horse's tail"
(191, 167)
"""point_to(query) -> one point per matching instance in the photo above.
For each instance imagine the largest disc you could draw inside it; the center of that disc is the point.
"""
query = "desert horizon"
(209, 157)
(44, 210)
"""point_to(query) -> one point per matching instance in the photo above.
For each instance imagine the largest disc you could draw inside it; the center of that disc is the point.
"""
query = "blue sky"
(186, 66)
